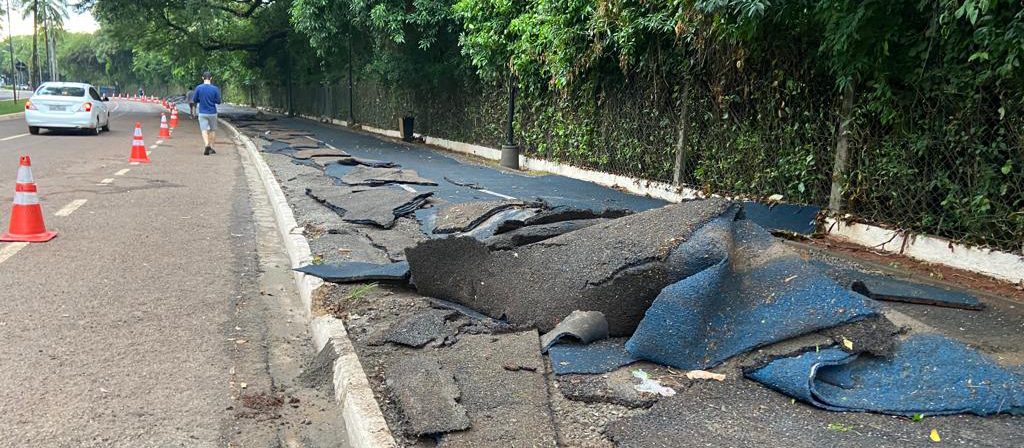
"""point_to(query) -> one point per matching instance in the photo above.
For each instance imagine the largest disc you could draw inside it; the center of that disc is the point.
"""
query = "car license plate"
(58, 108)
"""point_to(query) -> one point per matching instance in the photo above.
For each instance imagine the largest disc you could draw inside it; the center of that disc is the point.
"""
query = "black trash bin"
(405, 128)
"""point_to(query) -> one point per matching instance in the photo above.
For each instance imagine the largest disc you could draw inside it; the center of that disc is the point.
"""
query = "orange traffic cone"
(138, 146)
(27, 215)
(164, 131)
(174, 118)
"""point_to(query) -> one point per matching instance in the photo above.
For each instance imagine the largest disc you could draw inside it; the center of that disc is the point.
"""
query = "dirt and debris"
(260, 406)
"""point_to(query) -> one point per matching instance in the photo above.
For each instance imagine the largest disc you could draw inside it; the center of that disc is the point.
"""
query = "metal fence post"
(681, 142)
(835, 198)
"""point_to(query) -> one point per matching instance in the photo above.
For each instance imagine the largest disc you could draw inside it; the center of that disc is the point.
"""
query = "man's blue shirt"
(208, 97)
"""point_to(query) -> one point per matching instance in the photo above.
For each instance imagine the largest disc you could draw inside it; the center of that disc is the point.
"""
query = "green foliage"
(936, 142)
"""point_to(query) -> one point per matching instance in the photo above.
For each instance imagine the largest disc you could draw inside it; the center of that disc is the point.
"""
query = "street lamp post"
(510, 150)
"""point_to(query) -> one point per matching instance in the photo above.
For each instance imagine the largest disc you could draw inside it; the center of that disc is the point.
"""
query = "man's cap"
(207, 75)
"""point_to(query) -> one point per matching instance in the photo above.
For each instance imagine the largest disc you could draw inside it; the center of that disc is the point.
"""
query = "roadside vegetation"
(11, 107)
(751, 93)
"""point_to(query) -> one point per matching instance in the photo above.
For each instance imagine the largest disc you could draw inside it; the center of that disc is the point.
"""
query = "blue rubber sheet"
(928, 374)
(755, 292)
(794, 218)
(597, 357)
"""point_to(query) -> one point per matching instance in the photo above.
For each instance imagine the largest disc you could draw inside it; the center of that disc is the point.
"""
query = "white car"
(67, 105)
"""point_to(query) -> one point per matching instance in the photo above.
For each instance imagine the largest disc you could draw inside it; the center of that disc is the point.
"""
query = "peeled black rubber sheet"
(758, 292)
(880, 287)
(355, 272)
(928, 374)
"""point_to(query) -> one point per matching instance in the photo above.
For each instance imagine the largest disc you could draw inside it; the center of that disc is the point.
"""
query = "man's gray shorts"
(208, 122)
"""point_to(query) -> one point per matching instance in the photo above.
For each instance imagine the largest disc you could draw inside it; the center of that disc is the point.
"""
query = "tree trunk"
(36, 71)
(682, 152)
(46, 43)
(835, 199)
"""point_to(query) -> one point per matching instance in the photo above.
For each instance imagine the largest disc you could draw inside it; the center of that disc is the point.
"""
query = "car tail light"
(87, 106)
(29, 105)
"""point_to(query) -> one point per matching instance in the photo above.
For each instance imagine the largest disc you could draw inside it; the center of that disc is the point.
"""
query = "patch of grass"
(360, 291)
(10, 107)
(839, 427)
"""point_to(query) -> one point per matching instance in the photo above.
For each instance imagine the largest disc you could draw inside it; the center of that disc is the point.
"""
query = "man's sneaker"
(209, 151)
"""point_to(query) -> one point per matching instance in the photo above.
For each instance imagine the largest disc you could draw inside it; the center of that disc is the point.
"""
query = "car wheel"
(34, 130)
(106, 127)
(95, 131)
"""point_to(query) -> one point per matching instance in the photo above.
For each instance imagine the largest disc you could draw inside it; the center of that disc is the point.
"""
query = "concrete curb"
(364, 421)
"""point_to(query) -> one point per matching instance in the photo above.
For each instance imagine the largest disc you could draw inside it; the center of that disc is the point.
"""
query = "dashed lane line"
(106, 181)
(503, 196)
(13, 137)
(71, 207)
(330, 146)
(133, 163)
(407, 188)
(122, 172)
(9, 250)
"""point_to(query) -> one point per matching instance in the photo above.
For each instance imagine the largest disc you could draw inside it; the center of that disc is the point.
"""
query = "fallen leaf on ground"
(848, 344)
(935, 436)
(705, 375)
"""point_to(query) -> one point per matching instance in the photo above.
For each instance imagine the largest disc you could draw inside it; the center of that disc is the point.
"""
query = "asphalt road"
(142, 323)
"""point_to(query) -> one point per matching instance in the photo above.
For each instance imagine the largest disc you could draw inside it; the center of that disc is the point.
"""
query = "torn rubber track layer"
(364, 175)
(465, 216)
(371, 206)
(560, 214)
(427, 396)
(542, 283)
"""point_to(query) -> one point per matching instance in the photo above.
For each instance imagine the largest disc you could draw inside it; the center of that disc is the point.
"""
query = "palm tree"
(50, 11)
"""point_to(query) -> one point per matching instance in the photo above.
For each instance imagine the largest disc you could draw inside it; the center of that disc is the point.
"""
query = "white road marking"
(133, 163)
(122, 172)
(330, 146)
(9, 250)
(503, 196)
(71, 207)
(315, 140)
(407, 188)
(13, 137)
(158, 142)
(152, 146)
(107, 180)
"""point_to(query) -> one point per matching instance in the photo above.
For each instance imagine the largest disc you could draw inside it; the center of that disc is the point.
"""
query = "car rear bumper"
(73, 120)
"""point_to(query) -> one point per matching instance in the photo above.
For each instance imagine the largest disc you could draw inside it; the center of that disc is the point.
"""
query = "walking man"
(191, 98)
(207, 96)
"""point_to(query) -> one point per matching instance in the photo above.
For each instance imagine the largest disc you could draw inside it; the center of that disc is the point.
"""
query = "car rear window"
(61, 91)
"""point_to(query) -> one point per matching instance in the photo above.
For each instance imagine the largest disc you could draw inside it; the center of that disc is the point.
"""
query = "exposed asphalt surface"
(138, 325)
